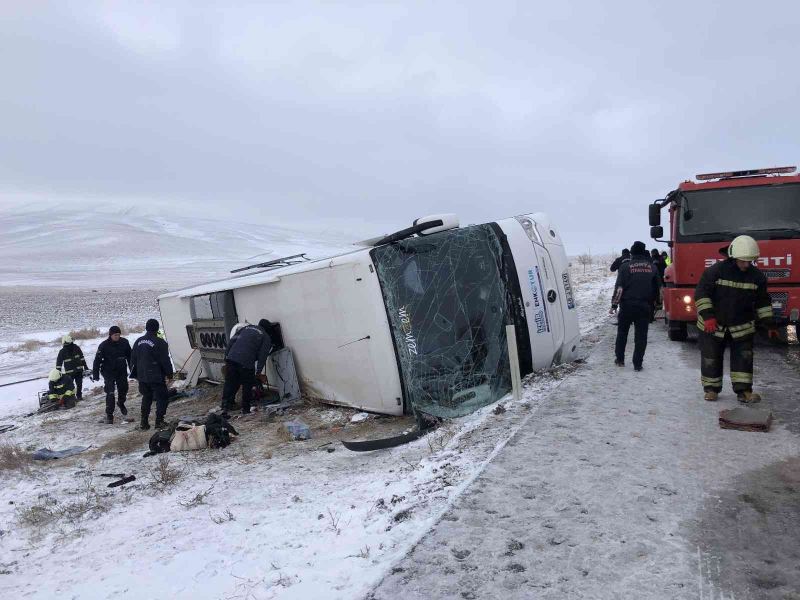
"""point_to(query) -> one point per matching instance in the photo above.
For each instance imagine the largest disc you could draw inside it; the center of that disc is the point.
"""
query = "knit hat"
(638, 248)
(113, 329)
(151, 325)
(264, 324)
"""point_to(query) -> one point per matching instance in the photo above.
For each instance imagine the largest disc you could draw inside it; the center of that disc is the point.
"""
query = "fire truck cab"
(705, 215)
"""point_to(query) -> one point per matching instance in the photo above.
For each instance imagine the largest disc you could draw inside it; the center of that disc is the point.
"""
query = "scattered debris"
(298, 430)
(7, 427)
(499, 409)
(359, 417)
(48, 454)
(745, 419)
(122, 479)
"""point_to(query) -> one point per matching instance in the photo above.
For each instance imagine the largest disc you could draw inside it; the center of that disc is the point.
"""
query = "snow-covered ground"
(263, 518)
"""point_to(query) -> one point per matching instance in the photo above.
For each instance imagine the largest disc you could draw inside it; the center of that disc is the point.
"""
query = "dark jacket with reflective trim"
(71, 357)
(112, 358)
(637, 281)
(63, 386)
(150, 362)
(735, 298)
(250, 344)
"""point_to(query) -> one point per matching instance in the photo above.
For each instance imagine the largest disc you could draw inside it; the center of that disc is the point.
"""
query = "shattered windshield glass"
(448, 303)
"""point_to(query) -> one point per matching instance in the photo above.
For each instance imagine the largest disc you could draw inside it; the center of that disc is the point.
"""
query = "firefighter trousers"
(712, 350)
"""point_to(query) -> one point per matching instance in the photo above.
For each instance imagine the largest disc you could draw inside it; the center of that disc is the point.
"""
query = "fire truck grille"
(779, 301)
(776, 273)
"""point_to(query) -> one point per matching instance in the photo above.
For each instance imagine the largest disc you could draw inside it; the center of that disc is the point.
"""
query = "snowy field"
(130, 248)
(263, 518)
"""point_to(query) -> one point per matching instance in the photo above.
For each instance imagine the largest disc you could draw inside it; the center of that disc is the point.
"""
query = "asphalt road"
(622, 485)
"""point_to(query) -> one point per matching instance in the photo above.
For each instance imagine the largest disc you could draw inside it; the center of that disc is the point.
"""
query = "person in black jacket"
(71, 362)
(112, 359)
(245, 355)
(730, 297)
(635, 292)
(151, 367)
(626, 256)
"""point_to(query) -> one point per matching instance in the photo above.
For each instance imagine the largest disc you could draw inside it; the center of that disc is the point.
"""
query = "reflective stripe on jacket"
(70, 359)
(735, 298)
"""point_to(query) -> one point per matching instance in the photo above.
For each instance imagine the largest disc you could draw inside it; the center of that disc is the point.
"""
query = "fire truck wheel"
(677, 331)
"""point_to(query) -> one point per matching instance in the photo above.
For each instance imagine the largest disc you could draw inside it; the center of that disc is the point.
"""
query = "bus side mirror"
(656, 232)
(654, 215)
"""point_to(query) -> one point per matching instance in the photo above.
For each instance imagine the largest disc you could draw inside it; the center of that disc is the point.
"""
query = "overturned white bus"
(415, 321)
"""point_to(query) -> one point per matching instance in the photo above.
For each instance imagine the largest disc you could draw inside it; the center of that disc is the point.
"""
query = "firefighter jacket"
(62, 388)
(735, 298)
(71, 357)
(150, 362)
(637, 282)
(112, 358)
(250, 345)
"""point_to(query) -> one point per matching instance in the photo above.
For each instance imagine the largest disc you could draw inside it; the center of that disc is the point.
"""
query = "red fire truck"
(705, 215)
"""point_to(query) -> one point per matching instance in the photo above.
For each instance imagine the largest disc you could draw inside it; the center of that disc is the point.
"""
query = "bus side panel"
(530, 275)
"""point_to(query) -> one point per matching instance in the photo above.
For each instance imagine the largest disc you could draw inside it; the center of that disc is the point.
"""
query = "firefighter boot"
(160, 423)
(748, 397)
(711, 396)
(145, 424)
(107, 420)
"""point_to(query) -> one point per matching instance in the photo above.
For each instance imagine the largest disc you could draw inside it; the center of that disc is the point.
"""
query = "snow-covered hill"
(130, 247)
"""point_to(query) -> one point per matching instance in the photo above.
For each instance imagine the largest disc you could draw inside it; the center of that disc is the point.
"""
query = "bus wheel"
(677, 331)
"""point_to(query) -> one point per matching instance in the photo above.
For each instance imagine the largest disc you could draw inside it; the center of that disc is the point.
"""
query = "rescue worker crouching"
(112, 359)
(71, 362)
(635, 292)
(151, 367)
(61, 389)
(730, 297)
(245, 355)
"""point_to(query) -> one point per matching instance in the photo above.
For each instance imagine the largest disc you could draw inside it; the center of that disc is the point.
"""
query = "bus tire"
(677, 331)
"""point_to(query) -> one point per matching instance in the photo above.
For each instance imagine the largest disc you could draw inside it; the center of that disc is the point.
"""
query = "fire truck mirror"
(654, 214)
(656, 232)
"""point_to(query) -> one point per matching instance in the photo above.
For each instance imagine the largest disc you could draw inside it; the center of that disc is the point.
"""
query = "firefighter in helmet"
(730, 297)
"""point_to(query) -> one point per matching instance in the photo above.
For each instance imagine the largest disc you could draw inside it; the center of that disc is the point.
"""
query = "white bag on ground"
(188, 437)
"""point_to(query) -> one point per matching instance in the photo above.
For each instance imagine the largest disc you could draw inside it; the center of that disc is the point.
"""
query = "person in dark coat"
(636, 290)
(658, 261)
(113, 358)
(245, 355)
(71, 362)
(626, 256)
(151, 367)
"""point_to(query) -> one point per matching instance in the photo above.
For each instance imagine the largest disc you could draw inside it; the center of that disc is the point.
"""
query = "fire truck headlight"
(687, 299)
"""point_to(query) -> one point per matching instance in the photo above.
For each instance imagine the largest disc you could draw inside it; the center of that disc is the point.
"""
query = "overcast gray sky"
(385, 112)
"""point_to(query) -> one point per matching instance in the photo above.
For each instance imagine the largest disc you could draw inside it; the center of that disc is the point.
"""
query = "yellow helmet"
(55, 375)
(744, 247)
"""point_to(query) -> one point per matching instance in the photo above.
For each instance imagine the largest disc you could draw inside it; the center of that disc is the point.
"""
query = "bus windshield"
(763, 212)
(448, 302)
